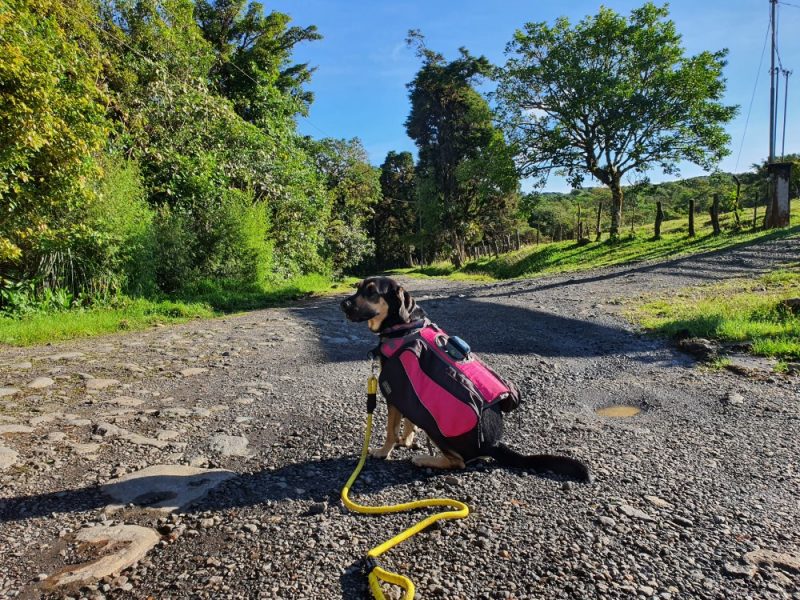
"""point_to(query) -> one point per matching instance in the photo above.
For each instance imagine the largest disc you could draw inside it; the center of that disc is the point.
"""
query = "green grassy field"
(562, 257)
(205, 300)
(739, 310)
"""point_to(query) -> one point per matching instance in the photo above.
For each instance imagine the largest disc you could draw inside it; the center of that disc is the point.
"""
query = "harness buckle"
(368, 564)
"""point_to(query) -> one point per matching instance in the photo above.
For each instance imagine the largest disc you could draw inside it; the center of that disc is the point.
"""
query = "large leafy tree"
(396, 213)
(612, 95)
(459, 166)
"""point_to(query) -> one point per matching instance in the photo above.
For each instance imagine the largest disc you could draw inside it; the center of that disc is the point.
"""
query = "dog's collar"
(403, 329)
(397, 331)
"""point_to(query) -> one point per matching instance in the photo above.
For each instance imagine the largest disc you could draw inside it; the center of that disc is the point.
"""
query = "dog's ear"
(407, 304)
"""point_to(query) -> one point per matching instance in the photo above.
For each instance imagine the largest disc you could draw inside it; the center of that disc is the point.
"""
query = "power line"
(752, 98)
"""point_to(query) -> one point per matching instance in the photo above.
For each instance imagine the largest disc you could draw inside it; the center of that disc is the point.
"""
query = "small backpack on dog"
(440, 385)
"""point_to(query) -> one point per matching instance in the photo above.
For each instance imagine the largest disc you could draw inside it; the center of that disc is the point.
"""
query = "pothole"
(619, 411)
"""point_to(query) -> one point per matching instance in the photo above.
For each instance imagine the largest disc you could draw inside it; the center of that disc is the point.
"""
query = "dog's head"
(382, 303)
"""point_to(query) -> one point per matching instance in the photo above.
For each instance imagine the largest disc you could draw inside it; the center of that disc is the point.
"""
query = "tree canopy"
(612, 95)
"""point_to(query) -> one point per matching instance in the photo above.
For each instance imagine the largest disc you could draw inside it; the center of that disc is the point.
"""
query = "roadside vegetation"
(636, 246)
(753, 312)
(61, 320)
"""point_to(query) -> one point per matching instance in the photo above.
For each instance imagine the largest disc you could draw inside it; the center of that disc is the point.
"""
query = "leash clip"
(368, 564)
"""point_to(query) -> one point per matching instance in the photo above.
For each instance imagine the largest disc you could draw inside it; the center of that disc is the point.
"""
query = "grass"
(738, 310)
(204, 300)
(562, 257)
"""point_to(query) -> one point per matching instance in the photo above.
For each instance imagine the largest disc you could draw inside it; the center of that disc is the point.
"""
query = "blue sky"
(363, 64)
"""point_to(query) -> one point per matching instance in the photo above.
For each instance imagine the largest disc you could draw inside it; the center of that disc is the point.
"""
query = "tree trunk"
(714, 210)
(518, 242)
(736, 202)
(659, 220)
(691, 217)
(597, 228)
(755, 211)
(616, 208)
(537, 236)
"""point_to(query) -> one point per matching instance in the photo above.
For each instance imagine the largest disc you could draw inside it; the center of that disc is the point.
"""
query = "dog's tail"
(541, 463)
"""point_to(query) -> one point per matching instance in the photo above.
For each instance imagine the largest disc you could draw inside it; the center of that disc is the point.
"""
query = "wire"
(789, 4)
(752, 98)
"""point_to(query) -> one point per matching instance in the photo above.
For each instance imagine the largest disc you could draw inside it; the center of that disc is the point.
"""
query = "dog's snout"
(347, 304)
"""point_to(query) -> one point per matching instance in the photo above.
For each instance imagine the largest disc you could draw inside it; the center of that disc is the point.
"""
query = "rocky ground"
(205, 460)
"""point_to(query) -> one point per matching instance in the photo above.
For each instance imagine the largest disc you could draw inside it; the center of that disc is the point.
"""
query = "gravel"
(698, 495)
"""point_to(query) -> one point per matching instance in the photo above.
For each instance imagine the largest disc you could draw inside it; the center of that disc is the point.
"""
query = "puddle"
(619, 411)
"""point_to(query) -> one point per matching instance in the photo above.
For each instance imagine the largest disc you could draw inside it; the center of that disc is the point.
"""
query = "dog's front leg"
(392, 433)
(407, 439)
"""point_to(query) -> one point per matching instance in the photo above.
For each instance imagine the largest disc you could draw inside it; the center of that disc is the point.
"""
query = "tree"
(393, 227)
(462, 156)
(254, 50)
(609, 96)
(354, 188)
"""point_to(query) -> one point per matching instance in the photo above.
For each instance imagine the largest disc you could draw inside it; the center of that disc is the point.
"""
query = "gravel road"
(697, 496)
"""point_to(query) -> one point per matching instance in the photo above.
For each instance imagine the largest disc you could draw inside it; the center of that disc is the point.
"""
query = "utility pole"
(772, 77)
(786, 74)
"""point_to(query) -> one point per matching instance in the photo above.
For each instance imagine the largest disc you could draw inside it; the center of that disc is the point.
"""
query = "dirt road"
(696, 496)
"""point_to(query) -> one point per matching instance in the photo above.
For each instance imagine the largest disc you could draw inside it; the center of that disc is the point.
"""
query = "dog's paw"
(380, 453)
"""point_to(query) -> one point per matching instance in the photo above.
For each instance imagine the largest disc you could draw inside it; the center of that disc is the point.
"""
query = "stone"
(8, 457)
(658, 502)
(56, 436)
(192, 371)
(109, 430)
(168, 434)
(21, 366)
(65, 356)
(122, 546)
(317, 508)
(739, 570)
(89, 448)
(14, 428)
(125, 401)
(79, 422)
(100, 384)
(230, 445)
(734, 399)
(634, 513)
(167, 488)
(141, 440)
(683, 521)
(699, 347)
(783, 560)
(174, 411)
(8, 391)
(40, 383)
(607, 521)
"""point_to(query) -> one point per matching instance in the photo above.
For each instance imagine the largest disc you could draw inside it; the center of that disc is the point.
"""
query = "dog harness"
(440, 385)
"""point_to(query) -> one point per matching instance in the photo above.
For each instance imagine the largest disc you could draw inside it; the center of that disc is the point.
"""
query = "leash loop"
(375, 573)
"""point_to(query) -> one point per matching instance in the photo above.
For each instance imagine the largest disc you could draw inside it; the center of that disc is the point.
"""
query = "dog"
(386, 307)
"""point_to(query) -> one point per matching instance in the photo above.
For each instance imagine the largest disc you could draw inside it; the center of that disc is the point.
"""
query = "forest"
(150, 148)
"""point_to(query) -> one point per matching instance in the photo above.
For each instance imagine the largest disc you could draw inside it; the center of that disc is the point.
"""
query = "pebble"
(8, 457)
(634, 513)
(8, 391)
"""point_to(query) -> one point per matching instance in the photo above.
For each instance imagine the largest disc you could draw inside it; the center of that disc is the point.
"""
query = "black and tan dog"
(384, 304)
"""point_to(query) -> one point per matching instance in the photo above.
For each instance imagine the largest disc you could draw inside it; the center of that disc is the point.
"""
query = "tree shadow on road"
(491, 328)
(312, 481)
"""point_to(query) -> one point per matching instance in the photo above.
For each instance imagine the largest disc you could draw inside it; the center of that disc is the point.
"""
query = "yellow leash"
(376, 573)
